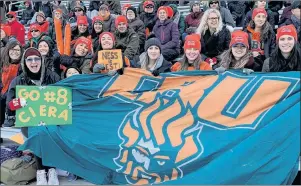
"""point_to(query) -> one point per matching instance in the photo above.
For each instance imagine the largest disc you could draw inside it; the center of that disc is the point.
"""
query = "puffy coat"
(128, 42)
(17, 30)
(149, 20)
(138, 26)
(28, 13)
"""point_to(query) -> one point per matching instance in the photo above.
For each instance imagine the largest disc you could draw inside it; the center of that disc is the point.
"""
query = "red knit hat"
(258, 11)
(148, 3)
(239, 37)
(169, 12)
(126, 6)
(97, 19)
(121, 19)
(59, 10)
(162, 8)
(6, 29)
(287, 30)
(85, 41)
(192, 41)
(108, 33)
(82, 20)
(35, 26)
(12, 13)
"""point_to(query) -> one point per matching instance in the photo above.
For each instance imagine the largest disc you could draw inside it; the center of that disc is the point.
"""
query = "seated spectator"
(239, 55)
(148, 16)
(96, 31)
(124, 8)
(126, 38)
(10, 68)
(263, 5)
(168, 34)
(192, 20)
(79, 10)
(36, 36)
(137, 25)
(81, 30)
(227, 18)
(294, 18)
(44, 24)
(109, 20)
(152, 59)
(215, 37)
(192, 59)
(238, 10)
(5, 34)
(178, 18)
(114, 7)
(261, 34)
(28, 13)
(287, 55)
(71, 71)
(17, 29)
(46, 8)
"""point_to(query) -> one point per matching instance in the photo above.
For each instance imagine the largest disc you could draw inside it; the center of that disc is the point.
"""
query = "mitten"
(156, 72)
(98, 67)
(17, 103)
(112, 72)
(247, 71)
(120, 71)
(220, 70)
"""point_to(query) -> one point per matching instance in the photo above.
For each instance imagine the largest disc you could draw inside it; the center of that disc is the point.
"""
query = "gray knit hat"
(295, 4)
(151, 42)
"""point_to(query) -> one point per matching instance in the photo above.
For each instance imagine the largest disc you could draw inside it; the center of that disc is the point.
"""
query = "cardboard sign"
(111, 59)
(49, 105)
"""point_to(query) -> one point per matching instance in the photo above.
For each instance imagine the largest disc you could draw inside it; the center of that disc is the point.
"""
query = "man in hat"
(17, 29)
(108, 19)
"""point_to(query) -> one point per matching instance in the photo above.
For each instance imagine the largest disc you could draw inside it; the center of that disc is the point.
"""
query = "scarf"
(8, 74)
(229, 62)
(144, 62)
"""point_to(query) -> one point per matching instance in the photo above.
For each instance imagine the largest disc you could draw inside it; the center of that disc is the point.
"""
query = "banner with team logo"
(192, 127)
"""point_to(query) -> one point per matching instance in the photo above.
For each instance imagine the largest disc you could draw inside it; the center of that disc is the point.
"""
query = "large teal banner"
(179, 128)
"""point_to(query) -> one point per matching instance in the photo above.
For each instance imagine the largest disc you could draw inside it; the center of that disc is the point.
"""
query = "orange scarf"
(8, 74)
(255, 39)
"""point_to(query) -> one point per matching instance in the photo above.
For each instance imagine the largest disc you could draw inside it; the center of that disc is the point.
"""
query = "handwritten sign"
(49, 105)
(111, 59)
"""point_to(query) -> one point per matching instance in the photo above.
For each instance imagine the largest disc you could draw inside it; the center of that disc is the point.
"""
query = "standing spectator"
(238, 10)
(287, 55)
(275, 6)
(114, 7)
(227, 18)
(178, 18)
(168, 34)
(96, 31)
(148, 16)
(109, 20)
(192, 20)
(215, 37)
(126, 38)
(28, 13)
(261, 34)
(17, 29)
(137, 25)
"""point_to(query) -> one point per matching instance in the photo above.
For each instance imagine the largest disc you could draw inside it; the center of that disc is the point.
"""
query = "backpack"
(9, 152)
(15, 171)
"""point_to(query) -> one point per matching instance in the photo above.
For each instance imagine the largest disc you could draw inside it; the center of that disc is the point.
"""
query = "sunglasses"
(10, 16)
(213, 3)
(149, 6)
(78, 10)
(34, 31)
(36, 59)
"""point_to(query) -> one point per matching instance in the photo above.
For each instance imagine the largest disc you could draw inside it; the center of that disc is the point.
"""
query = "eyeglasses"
(213, 18)
(78, 10)
(30, 60)
(34, 31)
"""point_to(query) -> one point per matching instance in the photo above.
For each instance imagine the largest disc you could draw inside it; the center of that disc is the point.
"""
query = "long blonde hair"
(203, 27)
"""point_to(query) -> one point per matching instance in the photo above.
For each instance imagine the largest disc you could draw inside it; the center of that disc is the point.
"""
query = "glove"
(156, 72)
(112, 72)
(220, 70)
(17, 103)
(120, 71)
(98, 67)
(247, 71)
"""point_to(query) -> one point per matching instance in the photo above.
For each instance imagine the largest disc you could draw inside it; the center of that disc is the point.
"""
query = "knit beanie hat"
(32, 52)
(77, 69)
(41, 14)
(120, 19)
(133, 9)
(126, 6)
(35, 26)
(98, 19)
(58, 10)
(258, 11)
(84, 40)
(239, 37)
(192, 41)
(80, 7)
(152, 42)
(287, 30)
(162, 8)
(6, 29)
(82, 20)
(12, 13)
(296, 4)
(192, 3)
(170, 12)
(107, 33)
(146, 3)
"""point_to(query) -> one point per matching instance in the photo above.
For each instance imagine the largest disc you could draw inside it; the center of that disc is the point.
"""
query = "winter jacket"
(94, 5)
(82, 63)
(33, 42)
(73, 22)
(128, 42)
(248, 18)
(46, 8)
(227, 17)
(44, 29)
(178, 19)
(114, 7)
(28, 13)
(192, 20)
(286, 14)
(296, 22)
(149, 20)
(214, 45)
(17, 30)
(75, 35)
(109, 24)
(238, 10)
(95, 40)
(168, 33)
(138, 26)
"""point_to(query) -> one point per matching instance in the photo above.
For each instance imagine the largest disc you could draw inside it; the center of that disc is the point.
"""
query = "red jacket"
(17, 30)
(44, 29)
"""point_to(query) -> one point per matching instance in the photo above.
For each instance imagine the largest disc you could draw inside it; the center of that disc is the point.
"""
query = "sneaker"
(9, 121)
(41, 177)
(52, 177)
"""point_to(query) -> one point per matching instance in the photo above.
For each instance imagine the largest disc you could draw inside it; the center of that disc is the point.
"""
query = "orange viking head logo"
(158, 139)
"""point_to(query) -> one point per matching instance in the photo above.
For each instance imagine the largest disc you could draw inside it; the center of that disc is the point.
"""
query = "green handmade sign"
(49, 105)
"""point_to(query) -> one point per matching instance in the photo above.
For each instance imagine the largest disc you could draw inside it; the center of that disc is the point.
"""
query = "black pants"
(3, 106)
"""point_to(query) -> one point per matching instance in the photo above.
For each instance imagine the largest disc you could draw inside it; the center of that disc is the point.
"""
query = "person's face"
(122, 27)
(214, 5)
(26, 5)
(149, 9)
(40, 19)
(81, 49)
(97, 27)
(78, 12)
(43, 48)
(15, 53)
(192, 54)
(57, 15)
(261, 4)
(259, 20)
(130, 15)
(33, 63)
(2, 34)
(10, 18)
(82, 28)
(153, 52)
(162, 15)
(106, 42)
(196, 8)
(71, 72)
(213, 20)
(286, 43)
(35, 33)
(239, 51)
(296, 12)
(103, 11)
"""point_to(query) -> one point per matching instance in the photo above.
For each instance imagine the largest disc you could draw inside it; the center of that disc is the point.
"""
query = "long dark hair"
(278, 63)
(266, 30)
(5, 59)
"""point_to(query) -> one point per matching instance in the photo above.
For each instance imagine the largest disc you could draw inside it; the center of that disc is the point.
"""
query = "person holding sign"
(34, 74)
(107, 60)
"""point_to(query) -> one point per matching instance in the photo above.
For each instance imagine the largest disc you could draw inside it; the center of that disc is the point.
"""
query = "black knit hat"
(295, 4)
(152, 42)
(133, 9)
